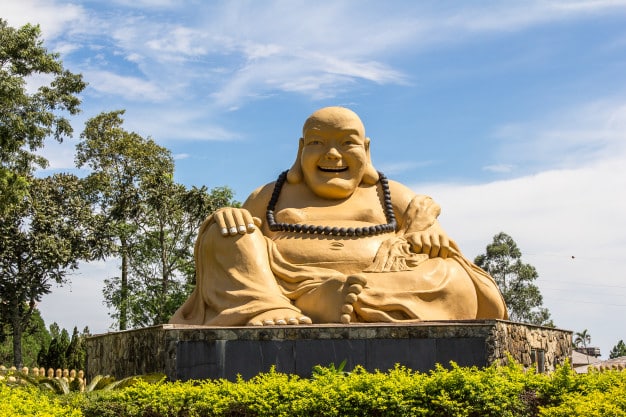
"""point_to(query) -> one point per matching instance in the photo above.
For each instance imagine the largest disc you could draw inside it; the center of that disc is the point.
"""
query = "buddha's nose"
(333, 153)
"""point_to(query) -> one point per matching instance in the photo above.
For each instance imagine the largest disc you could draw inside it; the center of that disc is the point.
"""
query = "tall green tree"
(34, 338)
(55, 356)
(515, 279)
(32, 252)
(162, 270)
(28, 117)
(618, 350)
(42, 238)
(121, 163)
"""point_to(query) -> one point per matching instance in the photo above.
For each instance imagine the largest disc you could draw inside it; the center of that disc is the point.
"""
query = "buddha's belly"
(344, 254)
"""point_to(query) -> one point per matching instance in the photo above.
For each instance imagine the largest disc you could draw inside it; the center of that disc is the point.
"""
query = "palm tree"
(583, 338)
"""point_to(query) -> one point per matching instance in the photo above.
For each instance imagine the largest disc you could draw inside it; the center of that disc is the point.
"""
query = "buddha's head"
(333, 154)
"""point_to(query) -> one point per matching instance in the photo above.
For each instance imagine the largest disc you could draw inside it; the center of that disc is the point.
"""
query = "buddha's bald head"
(335, 117)
(343, 129)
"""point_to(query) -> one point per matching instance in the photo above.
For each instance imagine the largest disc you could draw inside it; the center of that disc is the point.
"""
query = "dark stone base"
(196, 352)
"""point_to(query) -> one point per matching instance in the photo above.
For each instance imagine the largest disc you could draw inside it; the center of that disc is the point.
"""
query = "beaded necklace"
(327, 230)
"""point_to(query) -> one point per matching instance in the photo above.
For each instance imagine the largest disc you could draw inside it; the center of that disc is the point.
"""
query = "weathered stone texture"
(185, 352)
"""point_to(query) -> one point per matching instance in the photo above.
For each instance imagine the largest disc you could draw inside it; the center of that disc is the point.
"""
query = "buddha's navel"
(336, 245)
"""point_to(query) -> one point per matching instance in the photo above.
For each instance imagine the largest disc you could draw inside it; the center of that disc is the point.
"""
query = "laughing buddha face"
(334, 152)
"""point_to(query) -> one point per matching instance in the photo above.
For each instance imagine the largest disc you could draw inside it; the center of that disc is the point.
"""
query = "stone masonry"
(195, 352)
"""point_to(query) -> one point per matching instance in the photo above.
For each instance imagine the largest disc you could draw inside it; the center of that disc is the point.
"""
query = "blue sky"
(512, 115)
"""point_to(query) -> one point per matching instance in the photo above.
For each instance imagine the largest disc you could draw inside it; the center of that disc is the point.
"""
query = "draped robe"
(242, 276)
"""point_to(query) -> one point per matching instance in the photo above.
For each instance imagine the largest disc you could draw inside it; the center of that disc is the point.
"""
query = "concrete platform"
(196, 352)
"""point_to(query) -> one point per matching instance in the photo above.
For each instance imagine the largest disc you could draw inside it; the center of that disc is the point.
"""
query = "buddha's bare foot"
(280, 316)
(353, 287)
(332, 301)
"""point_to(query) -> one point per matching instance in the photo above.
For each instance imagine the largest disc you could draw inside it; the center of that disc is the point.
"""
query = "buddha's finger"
(248, 221)
(221, 222)
(230, 223)
(425, 244)
(434, 246)
(445, 246)
(240, 223)
(416, 242)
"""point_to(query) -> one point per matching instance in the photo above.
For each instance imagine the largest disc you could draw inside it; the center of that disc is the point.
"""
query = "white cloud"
(81, 303)
(52, 16)
(501, 168)
(514, 16)
(579, 135)
(568, 221)
(170, 122)
(180, 40)
(131, 88)
(553, 216)
(397, 167)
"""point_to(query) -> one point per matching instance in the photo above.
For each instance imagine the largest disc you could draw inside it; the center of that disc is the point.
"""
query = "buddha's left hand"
(430, 242)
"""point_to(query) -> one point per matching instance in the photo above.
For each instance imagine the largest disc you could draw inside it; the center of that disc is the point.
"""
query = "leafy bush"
(454, 391)
(27, 401)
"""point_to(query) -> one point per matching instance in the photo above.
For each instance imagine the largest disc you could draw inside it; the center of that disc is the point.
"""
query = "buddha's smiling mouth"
(332, 169)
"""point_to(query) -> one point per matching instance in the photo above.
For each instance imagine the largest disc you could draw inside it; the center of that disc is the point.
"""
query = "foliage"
(161, 272)
(29, 401)
(63, 352)
(41, 239)
(618, 350)
(582, 339)
(503, 262)
(121, 163)
(150, 220)
(27, 118)
(453, 391)
(35, 337)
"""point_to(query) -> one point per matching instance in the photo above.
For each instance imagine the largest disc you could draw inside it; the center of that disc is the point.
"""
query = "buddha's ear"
(370, 175)
(295, 175)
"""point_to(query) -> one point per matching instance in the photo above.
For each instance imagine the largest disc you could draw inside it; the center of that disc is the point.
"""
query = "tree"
(32, 252)
(28, 118)
(503, 262)
(63, 352)
(42, 238)
(618, 350)
(162, 270)
(121, 163)
(76, 351)
(34, 338)
(582, 339)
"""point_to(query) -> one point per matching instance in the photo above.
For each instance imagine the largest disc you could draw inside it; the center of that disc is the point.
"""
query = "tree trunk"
(16, 327)
(124, 286)
(164, 271)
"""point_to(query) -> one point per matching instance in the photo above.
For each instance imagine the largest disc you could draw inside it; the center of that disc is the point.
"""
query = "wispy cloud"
(501, 168)
(398, 167)
(54, 17)
(130, 88)
(514, 16)
(575, 136)
(246, 51)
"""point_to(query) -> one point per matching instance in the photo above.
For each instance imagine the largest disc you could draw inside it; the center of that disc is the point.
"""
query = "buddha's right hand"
(232, 221)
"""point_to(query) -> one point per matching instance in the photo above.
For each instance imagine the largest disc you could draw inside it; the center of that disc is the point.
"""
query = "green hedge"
(494, 391)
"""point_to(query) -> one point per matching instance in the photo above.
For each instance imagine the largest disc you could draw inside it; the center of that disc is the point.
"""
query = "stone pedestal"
(195, 352)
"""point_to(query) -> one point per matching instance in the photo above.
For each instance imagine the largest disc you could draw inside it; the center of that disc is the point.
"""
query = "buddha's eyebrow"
(350, 131)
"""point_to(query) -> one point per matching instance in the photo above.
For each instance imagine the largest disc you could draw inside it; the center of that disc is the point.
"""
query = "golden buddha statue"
(333, 241)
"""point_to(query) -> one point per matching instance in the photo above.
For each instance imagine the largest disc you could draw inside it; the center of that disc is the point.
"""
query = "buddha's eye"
(314, 142)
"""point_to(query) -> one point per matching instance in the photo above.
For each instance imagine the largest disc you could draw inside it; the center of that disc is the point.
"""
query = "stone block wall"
(528, 344)
(189, 352)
